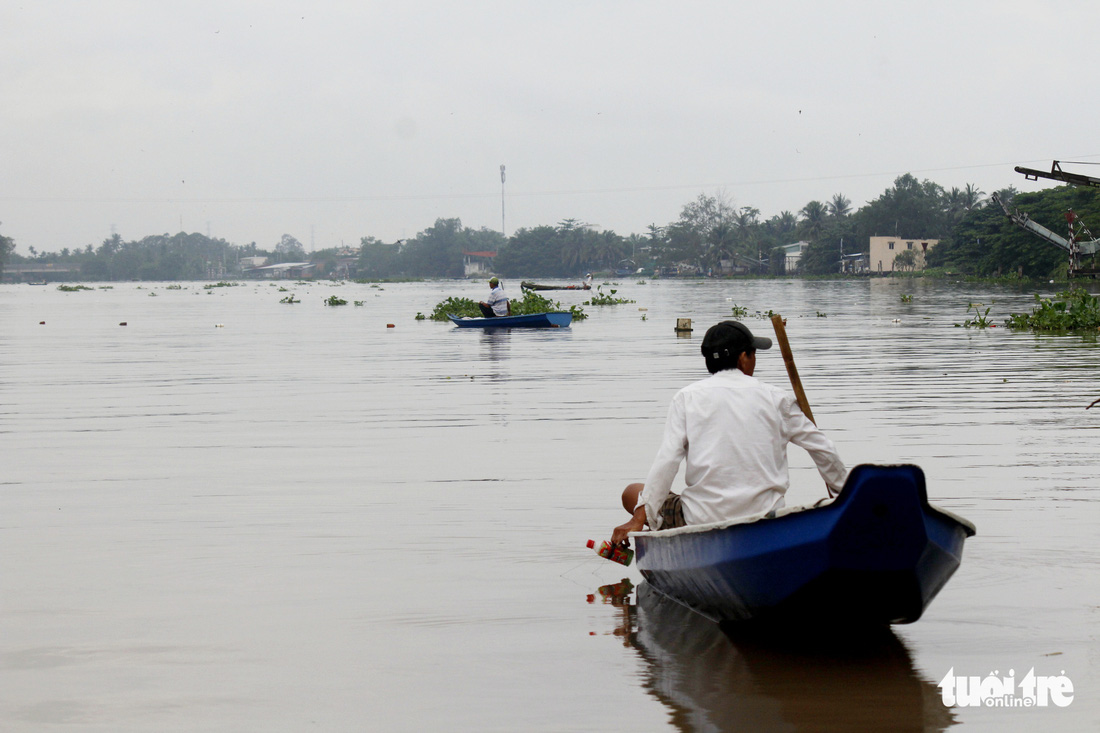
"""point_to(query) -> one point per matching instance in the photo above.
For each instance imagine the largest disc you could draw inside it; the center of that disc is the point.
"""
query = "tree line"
(711, 235)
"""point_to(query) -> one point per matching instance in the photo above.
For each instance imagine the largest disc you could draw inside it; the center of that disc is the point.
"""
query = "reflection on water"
(307, 520)
(714, 678)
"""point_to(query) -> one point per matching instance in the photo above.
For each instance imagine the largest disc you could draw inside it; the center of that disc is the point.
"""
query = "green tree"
(437, 251)
(7, 246)
(987, 243)
(608, 249)
(814, 218)
(823, 256)
(906, 260)
(910, 208)
(702, 233)
(289, 249)
(532, 252)
(576, 244)
(378, 260)
(972, 197)
(839, 206)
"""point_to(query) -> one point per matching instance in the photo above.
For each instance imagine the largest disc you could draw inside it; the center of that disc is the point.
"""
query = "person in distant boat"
(588, 281)
(733, 431)
(498, 304)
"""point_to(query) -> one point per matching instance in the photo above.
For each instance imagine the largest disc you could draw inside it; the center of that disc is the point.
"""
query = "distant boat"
(531, 320)
(536, 286)
(876, 555)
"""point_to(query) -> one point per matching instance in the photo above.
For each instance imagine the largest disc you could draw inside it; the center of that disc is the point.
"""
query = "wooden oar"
(792, 370)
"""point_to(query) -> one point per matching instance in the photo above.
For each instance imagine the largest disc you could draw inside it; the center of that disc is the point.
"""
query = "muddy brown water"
(238, 514)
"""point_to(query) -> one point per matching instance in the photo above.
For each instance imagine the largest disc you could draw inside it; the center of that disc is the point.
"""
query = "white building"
(477, 263)
(792, 254)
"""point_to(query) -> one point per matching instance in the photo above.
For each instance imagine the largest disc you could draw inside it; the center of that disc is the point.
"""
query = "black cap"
(729, 339)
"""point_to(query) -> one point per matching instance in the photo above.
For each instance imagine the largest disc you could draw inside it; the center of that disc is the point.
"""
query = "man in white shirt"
(497, 304)
(733, 430)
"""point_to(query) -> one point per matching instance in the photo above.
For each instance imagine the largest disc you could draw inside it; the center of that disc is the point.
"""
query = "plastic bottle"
(615, 553)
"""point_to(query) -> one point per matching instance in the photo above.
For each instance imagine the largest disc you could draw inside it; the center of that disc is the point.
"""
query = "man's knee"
(630, 496)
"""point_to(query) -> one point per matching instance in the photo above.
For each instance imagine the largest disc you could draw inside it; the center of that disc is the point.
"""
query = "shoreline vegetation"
(712, 236)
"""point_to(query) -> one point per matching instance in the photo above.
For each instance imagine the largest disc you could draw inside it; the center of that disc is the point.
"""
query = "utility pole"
(502, 229)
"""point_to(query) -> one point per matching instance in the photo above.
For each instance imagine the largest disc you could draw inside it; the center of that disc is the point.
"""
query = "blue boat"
(531, 320)
(877, 554)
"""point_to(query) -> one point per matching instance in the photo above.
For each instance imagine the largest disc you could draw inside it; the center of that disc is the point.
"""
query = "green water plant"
(531, 302)
(72, 288)
(740, 311)
(290, 299)
(222, 284)
(980, 319)
(461, 307)
(906, 298)
(335, 300)
(601, 298)
(1068, 311)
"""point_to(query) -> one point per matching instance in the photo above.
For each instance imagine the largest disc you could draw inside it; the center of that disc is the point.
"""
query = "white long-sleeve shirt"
(733, 430)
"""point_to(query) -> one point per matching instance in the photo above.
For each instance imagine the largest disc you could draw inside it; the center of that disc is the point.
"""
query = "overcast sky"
(331, 121)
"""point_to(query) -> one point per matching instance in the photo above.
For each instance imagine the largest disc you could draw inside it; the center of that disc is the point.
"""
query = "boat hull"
(536, 286)
(532, 320)
(878, 554)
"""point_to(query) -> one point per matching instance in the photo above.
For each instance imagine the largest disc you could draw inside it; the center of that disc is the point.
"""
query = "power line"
(513, 193)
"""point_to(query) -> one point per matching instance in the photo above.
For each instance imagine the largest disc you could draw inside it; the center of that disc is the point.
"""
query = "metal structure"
(502, 228)
(1074, 244)
(1057, 174)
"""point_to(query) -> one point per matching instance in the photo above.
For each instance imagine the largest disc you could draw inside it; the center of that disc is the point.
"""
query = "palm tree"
(746, 217)
(814, 215)
(606, 247)
(783, 223)
(575, 249)
(972, 196)
(839, 206)
(954, 204)
(720, 243)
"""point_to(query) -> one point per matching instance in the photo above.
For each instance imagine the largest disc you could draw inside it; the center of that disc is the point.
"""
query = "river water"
(234, 514)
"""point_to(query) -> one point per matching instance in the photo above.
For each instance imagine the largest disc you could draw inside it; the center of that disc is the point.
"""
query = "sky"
(333, 121)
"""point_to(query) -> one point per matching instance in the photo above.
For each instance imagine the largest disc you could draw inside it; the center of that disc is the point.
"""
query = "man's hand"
(636, 524)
